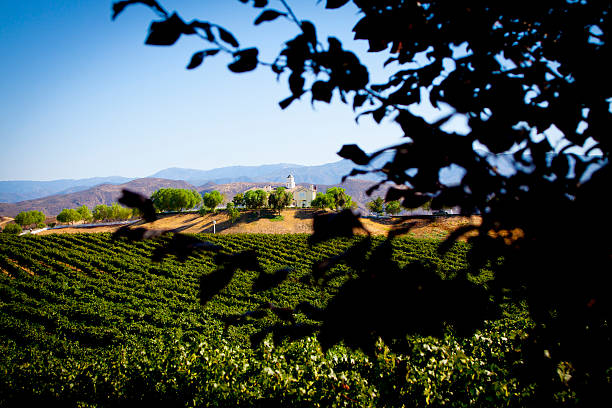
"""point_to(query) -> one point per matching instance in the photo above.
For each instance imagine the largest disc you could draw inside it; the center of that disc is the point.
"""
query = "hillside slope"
(103, 194)
(295, 221)
(354, 187)
(20, 190)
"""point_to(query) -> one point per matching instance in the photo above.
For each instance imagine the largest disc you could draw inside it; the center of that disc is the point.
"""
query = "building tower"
(290, 182)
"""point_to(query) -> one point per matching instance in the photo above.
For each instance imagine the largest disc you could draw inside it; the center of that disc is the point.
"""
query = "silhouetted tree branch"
(531, 82)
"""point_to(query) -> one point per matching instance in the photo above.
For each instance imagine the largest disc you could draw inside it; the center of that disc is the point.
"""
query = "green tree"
(339, 199)
(279, 199)
(528, 79)
(27, 218)
(212, 200)
(376, 205)
(321, 201)
(12, 229)
(175, 199)
(118, 212)
(238, 200)
(393, 207)
(232, 212)
(256, 200)
(85, 213)
(101, 212)
(68, 215)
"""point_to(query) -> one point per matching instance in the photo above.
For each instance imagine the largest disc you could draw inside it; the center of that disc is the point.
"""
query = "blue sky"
(82, 96)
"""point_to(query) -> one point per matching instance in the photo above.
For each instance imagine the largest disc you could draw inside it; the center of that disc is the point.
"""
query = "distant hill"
(102, 194)
(52, 196)
(330, 173)
(20, 190)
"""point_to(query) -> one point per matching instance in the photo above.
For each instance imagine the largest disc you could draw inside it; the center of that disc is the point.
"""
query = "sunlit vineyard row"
(86, 320)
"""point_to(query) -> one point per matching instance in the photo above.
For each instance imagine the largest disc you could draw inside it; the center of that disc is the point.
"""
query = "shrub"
(12, 229)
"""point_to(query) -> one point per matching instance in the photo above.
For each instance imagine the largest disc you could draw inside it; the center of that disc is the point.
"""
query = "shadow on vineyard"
(518, 316)
(91, 321)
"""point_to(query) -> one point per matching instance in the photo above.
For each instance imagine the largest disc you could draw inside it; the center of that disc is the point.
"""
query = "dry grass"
(4, 221)
(294, 221)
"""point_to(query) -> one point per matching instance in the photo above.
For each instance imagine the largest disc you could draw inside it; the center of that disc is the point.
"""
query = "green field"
(88, 321)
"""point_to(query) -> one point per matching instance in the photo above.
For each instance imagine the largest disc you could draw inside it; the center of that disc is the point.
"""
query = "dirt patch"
(294, 221)
(420, 227)
(79, 230)
(4, 221)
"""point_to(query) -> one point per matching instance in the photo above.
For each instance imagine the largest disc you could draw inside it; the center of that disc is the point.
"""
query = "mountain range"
(51, 197)
(110, 193)
(331, 173)
(19, 190)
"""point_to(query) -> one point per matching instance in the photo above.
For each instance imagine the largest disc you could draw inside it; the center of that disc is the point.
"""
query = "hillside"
(102, 194)
(354, 187)
(329, 173)
(295, 221)
(108, 194)
(4, 220)
(21, 190)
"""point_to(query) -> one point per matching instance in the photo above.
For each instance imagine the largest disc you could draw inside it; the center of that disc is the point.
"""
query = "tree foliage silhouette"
(530, 80)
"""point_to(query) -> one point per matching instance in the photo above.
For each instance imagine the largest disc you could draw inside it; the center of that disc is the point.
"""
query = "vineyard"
(86, 320)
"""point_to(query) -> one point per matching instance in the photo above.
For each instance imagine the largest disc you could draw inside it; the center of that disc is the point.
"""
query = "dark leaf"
(394, 194)
(354, 172)
(267, 281)
(322, 91)
(454, 236)
(373, 188)
(327, 226)
(119, 6)
(245, 260)
(183, 246)
(296, 84)
(196, 60)
(213, 283)
(143, 204)
(335, 46)
(167, 32)
(237, 319)
(283, 313)
(268, 15)
(137, 234)
(246, 60)
(204, 26)
(227, 37)
(310, 311)
(310, 33)
(260, 3)
(334, 4)
(355, 154)
(359, 100)
(286, 102)
(379, 114)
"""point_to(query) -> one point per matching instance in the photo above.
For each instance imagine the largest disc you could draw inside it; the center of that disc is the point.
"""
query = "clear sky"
(83, 96)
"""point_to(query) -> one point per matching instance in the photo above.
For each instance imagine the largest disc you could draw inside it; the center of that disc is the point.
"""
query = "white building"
(302, 196)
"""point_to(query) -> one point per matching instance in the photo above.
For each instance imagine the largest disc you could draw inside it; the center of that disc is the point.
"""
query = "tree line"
(25, 219)
(100, 212)
(378, 206)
